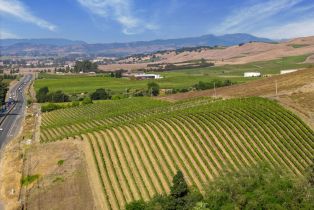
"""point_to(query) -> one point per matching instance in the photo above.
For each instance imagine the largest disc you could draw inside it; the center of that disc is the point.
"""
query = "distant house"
(252, 74)
(147, 76)
(288, 71)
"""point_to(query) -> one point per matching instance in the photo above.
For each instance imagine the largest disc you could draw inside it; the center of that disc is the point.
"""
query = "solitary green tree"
(179, 186)
(100, 94)
(153, 89)
(42, 94)
(179, 191)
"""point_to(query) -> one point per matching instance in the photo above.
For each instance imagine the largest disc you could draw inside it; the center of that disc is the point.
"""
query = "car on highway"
(1, 129)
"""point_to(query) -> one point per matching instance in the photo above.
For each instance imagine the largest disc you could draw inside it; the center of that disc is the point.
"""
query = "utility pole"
(276, 87)
(214, 89)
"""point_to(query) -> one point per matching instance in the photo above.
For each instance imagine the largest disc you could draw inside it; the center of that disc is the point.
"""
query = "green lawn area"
(172, 79)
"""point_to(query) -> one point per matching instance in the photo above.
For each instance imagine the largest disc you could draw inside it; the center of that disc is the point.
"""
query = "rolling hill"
(136, 149)
(236, 54)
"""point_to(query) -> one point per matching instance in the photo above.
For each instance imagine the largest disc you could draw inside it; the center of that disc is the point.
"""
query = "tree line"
(212, 84)
(85, 66)
(259, 187)
(153, 89)
(80, 66)
(3, 90)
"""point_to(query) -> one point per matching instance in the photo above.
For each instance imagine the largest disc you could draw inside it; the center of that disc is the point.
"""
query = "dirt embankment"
(12, 162)
(60, 167)
(63, 181)
(310, 59)
(54, 174)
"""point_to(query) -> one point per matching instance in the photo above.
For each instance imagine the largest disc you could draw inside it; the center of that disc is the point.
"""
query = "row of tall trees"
(85, 66)
(209, 85)
(43, 95)
(3, 90)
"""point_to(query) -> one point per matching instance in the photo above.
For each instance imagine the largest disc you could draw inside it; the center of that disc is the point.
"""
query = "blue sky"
(130, 20)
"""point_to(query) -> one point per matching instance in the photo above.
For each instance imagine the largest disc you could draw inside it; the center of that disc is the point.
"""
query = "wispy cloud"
(7, 35)
(300, 28)
(249, 18)
(120, 11)
(20, 11)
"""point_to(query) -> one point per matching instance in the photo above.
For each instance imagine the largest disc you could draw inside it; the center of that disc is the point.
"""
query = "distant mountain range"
(66, 47)
(55, 42)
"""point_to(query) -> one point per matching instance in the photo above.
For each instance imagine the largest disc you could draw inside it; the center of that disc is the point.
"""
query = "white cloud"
(120, 11)
(247, 19)
(20, 11)
(7, 35)
(295, 29)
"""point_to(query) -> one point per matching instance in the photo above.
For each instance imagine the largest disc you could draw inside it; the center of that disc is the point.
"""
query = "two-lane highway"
(12, 121)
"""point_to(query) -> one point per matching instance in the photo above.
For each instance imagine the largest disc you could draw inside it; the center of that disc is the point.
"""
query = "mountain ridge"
(66, 47)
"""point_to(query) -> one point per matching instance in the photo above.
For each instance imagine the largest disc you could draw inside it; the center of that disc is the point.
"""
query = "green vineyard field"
(139, 144)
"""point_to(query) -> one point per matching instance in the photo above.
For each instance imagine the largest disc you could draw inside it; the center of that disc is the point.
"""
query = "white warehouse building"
(288, 71)
(252, 74)
(147, 76)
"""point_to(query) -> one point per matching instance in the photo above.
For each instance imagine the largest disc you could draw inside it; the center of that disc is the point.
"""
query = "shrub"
(60, 162)
(87, 100)
(136, 205)
(116, 97)
(50, 107)
(75, 103)
(29, 179)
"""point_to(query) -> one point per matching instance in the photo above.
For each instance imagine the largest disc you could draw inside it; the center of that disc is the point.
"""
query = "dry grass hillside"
(295, 91)
(250, 52)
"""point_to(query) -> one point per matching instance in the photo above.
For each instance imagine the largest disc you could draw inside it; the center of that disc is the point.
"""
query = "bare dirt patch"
(63, 181)
(310, 59)
(54, 174)
(10, 175)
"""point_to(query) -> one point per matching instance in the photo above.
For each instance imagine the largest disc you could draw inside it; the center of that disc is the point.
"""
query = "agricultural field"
(138, 144)
(172, 79)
